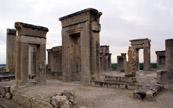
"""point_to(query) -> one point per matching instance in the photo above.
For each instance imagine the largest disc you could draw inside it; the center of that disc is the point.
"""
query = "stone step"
(147, 92)
(120, 79)
(125, 85)
(4, 73)
(7, 77)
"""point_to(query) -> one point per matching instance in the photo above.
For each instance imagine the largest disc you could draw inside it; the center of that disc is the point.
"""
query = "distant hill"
(2, 64)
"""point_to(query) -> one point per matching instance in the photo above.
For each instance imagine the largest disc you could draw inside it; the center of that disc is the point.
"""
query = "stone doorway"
(32, 61)
(144, 44)
(75, 56)
(30, 54)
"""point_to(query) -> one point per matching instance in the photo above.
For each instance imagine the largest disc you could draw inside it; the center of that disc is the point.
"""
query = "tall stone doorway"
(75, 56)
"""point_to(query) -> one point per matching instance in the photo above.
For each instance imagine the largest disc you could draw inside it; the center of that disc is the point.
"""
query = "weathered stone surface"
(147, 92)
(105, 58)
(81, 46)
(55, 63)
(64, 100)
(60, 102)
(130, 66)
(142, 44)
(8, 95)
(161, 59)
(11, 50)
(25, 29)
(120, 62)
(165, 77)
(169, 54)
(30, 53)
(120, 79)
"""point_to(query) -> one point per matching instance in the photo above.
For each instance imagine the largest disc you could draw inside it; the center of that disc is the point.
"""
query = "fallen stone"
(60, 102)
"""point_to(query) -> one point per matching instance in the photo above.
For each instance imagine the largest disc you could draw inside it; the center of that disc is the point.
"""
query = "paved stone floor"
(97, 97)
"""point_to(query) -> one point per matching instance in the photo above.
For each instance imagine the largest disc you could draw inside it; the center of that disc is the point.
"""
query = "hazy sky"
(122, 20)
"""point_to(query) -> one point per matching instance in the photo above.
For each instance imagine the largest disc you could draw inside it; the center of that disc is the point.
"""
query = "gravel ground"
(98, 97)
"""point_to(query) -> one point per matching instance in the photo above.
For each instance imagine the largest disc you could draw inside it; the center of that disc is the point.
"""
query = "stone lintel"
(30, 40)
(140, 41)
(57, 48)
(82, 16)
(78, 13)
(160, 52)
(123, 54)
(11, 32)
(119, 57)
(104, 46)
(25, 29)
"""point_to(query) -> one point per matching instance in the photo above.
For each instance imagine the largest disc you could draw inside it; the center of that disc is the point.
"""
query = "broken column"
(11, 48)
(130, 65)
(81, 45)
(160, 59)
(147, 55)
(169, 55)
(120, 62)
(165, 77)
(105, 58)
(30, 53)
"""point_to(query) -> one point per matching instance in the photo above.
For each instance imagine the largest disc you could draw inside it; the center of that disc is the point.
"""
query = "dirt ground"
(98, 97)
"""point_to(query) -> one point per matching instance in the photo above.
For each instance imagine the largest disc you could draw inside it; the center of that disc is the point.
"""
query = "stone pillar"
(137, 59)
(165, 77)
(169, 55)
(146, 59)
(130, 66)
(11, 48)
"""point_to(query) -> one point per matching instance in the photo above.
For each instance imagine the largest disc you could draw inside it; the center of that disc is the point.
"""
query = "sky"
(121, 21)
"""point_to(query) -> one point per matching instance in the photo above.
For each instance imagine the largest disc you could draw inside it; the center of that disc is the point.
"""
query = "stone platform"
(6, 76)
(147, 92)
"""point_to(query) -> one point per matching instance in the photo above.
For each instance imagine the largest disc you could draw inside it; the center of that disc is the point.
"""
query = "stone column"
(11, 48)
(146, 59)
(169, 55)
(137, 60)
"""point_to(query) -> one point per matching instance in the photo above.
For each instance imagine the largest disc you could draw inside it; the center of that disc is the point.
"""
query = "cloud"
(122, 20)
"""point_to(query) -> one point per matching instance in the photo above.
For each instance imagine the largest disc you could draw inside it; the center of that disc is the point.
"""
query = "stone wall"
(54, 62)
(105, 58)
(160, 59)
(120, 62)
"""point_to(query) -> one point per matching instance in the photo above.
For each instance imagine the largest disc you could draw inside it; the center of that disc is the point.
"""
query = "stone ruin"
(161, 60)
(138, 44)
(165, 76)
(105, 59)
(120, 62)
(30, 53)
(55, 62)
(81, 46)
(132, 65)
(11, 49)
(81, 58)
